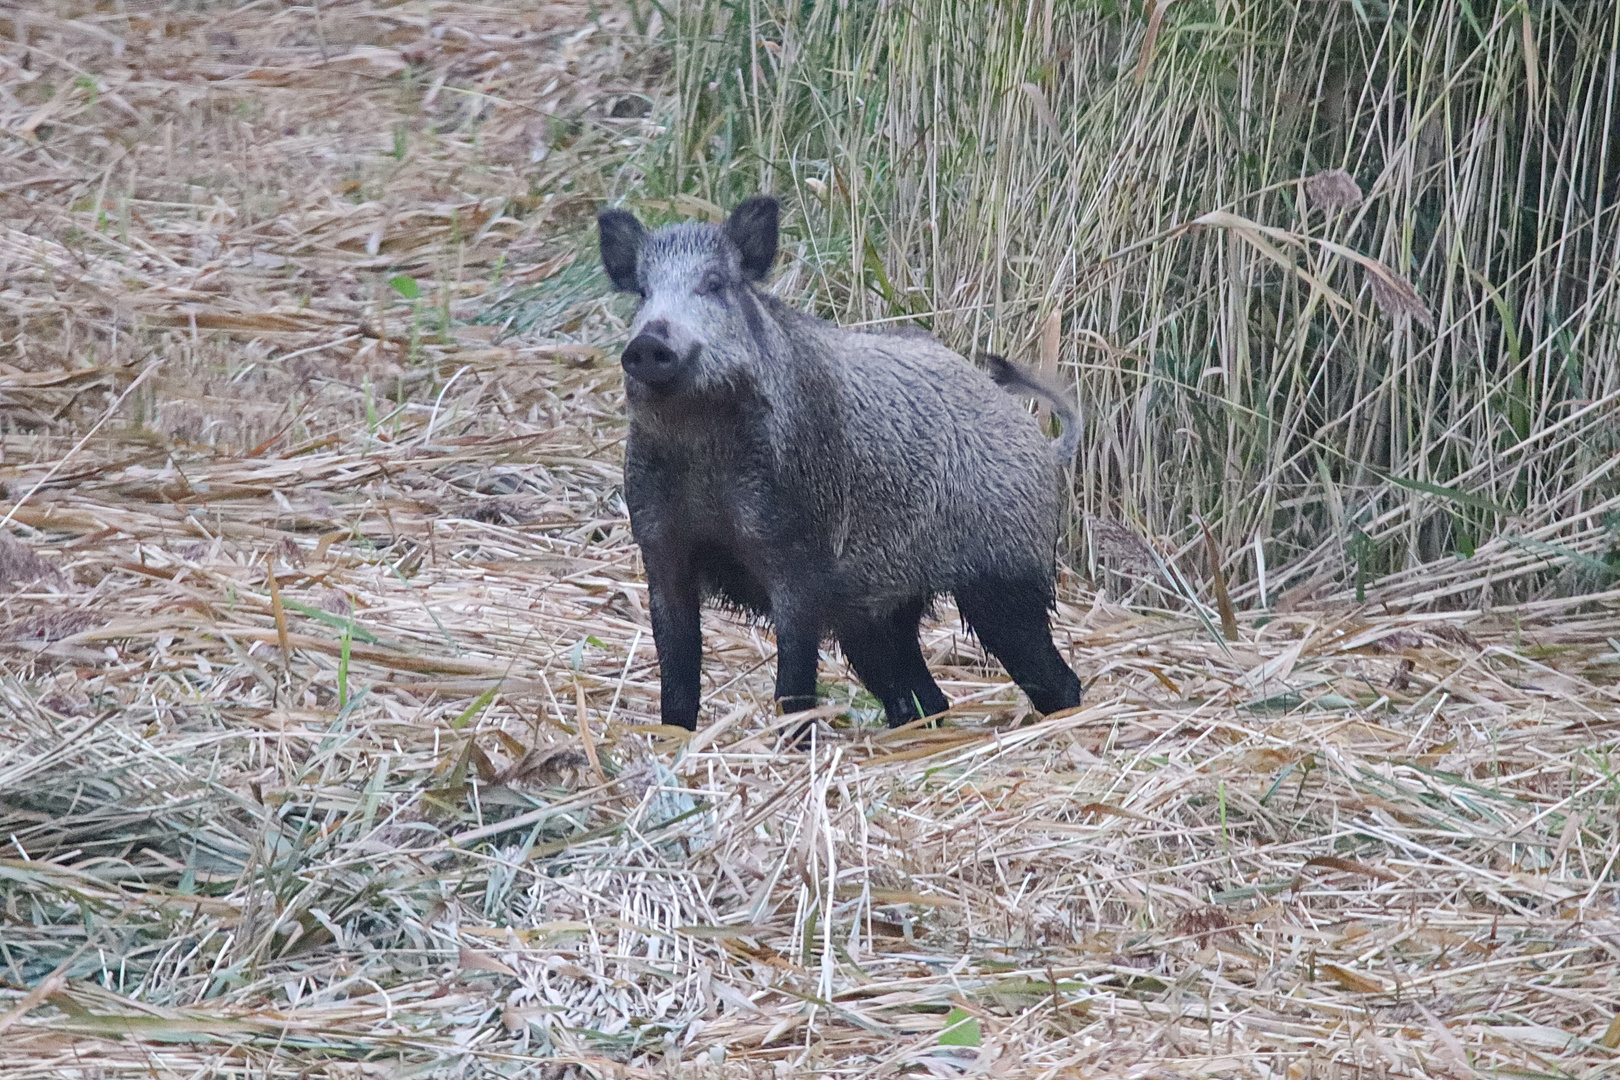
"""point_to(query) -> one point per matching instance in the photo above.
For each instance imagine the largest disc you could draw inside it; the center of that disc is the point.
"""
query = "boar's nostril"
(651, 361)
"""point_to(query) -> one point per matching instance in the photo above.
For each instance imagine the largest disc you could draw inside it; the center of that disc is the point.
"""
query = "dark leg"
(921, 689)
(887, 658)
(677, 635)
(798, 648)
(1013, 621)
(869, 648)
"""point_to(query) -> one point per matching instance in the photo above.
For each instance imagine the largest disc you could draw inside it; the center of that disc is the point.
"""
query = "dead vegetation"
(328, 688)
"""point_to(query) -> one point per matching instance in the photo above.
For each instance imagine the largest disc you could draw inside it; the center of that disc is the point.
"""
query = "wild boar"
(832, 482)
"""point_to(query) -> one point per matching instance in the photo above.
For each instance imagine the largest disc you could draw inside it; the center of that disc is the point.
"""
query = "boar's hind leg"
(887, 658)
(672, 594)
(1011, 618)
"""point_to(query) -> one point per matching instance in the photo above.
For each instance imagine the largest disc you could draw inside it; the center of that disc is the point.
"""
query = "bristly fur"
(833, 481)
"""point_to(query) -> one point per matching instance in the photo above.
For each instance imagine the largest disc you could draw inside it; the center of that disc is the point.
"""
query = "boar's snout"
(650, 358)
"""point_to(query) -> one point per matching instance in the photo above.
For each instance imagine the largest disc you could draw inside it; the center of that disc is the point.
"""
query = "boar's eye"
(710, 283)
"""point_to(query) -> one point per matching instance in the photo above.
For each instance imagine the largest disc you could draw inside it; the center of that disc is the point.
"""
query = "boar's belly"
(723, 577)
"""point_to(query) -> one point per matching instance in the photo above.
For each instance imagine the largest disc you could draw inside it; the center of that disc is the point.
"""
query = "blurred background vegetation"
(1334, 279)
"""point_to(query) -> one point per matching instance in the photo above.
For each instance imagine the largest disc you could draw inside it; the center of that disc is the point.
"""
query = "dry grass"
(328, 689)
(1333, 280)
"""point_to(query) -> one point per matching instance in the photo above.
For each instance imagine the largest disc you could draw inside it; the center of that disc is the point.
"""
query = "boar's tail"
(1010, 375)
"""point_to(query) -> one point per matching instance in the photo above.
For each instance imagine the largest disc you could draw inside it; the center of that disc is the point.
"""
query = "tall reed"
(1399, 383)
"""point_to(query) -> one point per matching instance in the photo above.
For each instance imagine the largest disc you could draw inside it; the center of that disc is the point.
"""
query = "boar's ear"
(620, 235)
(751, 228)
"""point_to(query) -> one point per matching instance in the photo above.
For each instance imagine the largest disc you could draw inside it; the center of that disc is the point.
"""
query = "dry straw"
(304, 654)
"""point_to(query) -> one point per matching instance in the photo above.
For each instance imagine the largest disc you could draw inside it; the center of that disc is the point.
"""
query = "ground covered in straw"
(328, 692)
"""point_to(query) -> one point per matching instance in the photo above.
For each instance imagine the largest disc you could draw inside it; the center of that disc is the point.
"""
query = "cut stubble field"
(329, 698)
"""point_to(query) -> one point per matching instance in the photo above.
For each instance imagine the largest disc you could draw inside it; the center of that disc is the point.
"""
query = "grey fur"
(831, 480)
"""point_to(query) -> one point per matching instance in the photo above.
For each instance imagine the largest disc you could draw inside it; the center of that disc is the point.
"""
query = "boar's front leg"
(798, 647)
(675, 604)
(886, 655)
